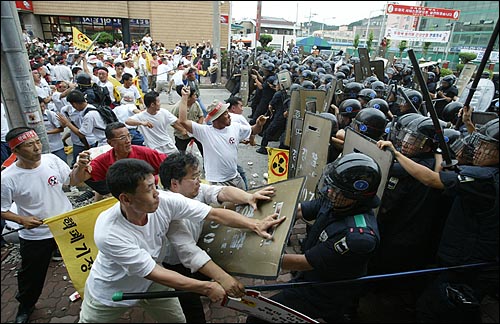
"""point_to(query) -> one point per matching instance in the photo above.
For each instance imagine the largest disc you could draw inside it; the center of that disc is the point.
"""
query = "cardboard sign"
(242, 252)
(313, 152)
(359, 143)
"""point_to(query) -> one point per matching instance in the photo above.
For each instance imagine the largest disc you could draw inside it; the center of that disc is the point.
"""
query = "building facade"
(169, 22)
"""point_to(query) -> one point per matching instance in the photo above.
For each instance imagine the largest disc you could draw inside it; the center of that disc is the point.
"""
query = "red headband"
(213, 112)
(21, 138)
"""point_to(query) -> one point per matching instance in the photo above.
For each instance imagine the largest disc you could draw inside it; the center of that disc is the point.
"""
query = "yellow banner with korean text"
(116, 84)
(81, 41)
(74, 235)
(277, 164)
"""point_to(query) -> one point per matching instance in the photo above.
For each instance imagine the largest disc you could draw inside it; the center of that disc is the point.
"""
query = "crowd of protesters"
(345, 241)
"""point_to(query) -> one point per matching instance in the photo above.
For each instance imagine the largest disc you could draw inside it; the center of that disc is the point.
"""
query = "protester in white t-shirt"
(130, 237)
(220, 141)
(154, 124)
(180, 173)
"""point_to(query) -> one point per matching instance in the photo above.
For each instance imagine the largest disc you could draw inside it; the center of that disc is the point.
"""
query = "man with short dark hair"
(154, 123)
(130, 237)
(118, 137)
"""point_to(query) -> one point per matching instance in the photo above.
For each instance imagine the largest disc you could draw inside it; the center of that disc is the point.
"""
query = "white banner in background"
(420, 36)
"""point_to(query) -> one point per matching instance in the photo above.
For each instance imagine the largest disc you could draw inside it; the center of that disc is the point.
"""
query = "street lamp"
(309, 24)
(369, 21)
(323, 25)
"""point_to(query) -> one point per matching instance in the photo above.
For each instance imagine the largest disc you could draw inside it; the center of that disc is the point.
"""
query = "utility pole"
(18, 88)
(257, 24)
(216, 36)
(449, 41)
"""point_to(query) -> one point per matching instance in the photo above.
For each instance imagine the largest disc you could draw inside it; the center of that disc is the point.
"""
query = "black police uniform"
(451, 92)
(277, 123)
(267, 95)
(410, 219)
(337, 247)
(470, 235)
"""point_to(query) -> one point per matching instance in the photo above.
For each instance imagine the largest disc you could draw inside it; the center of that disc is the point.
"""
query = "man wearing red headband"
(34, 183)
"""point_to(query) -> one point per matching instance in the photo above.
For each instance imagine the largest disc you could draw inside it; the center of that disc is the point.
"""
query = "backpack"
(107, 115)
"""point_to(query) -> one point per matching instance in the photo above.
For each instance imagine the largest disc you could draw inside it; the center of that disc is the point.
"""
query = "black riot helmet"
(352, 89)
(369, 80)
(344, 69)
(294, 86)
(379, 88)
(349, 108)
(450, 79)
(326, 78)
(415, 97)
(308, 85)
(431, 76)
(379, 104)
(367, 94)
(83, 80)
(355, 176)
(396, 132)
(450, 111)
(340, 76)
(320, 71)
(479, 148)
(418, 134)
(370, 122)
(307, 75)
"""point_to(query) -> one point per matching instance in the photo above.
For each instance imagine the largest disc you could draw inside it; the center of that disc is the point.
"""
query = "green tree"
(355, 43)
(466, 57)
(104, 37)
(369, 42)
(402, 46)
(265, 39)
(445, 72)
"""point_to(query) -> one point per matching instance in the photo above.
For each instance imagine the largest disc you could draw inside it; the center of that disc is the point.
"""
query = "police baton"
(119, 296)
(447, 163)
(480, 70)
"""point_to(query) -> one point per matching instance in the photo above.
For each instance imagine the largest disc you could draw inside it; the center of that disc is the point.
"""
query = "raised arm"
(183, 108)
(423, 174)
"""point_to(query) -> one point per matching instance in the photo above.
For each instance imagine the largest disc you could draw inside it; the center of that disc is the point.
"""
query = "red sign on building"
(224, 19)
(397, 9)
(24, 5)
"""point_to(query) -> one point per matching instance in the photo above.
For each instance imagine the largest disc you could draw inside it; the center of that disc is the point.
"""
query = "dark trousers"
(191, 304)
(35, 256)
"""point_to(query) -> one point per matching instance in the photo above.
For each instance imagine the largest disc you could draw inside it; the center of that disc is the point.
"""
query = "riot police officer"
(471, 231)
(446, 93)
(410, 210)
(341, 240)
